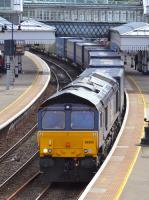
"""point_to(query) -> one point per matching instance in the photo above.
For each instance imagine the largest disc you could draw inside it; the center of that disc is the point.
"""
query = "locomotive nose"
(68, 144)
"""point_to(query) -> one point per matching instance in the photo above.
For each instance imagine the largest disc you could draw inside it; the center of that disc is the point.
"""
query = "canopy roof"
(4, 22)
(34, 25)
(130, 27)
(131, 37)
(31, 31)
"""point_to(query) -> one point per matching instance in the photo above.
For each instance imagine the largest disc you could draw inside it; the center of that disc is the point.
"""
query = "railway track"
(36, 188)
(33, 188)
(68, 67)
(17, 158)
(6, 154)
(65, 191)
(14, 181)
(60, 73)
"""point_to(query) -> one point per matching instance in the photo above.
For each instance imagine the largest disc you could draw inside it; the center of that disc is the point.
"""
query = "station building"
(133, 39)
(11, 10)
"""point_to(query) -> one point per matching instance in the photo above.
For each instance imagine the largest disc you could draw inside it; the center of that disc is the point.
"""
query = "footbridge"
(83, 29)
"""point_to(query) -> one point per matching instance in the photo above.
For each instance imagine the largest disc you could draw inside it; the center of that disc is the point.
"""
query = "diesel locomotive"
(78, 125)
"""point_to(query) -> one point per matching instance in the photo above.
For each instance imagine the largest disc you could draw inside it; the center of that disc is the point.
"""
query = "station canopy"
(29, 31)
(130, 37)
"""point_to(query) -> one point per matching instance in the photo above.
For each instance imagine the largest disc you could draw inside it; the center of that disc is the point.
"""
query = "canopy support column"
(139, 61)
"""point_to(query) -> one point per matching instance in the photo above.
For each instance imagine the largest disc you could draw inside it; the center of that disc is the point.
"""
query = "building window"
(46, 15)
(5, 4)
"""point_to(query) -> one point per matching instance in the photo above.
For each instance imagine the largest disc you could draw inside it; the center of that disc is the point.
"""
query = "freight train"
(78, 125)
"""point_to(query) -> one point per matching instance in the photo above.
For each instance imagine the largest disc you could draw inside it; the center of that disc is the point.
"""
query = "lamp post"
(12, 79)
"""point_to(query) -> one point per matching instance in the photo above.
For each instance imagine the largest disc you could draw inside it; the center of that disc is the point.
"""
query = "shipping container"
(71, 49)
(80, 51)
(89, 49)
(111, 63)
(104, 54)
(61, 46)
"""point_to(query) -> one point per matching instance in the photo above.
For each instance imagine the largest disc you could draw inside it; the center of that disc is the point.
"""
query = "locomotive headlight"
(50, 150)
(68, 107)
(45, 150)
(85, 150)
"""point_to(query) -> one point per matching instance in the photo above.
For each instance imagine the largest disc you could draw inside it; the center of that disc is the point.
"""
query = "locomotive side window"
(117, 100)
(106, 117)
(100, 120)
(53, 120)
(82, 120)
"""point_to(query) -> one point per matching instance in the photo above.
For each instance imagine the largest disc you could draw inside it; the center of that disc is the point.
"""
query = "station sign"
(9, 47)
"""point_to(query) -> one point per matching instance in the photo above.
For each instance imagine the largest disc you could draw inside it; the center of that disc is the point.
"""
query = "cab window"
(106, 118)
(117, 101)
(100, 120)
(82, 120)
(53, 120)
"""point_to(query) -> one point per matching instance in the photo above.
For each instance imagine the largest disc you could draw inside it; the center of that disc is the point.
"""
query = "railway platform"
(124, 174)
(26, 89)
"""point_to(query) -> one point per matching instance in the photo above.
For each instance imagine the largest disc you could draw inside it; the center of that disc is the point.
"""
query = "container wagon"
(61, 47)
(89, 49)
(103, 63)
(80, 52)
(71, 49)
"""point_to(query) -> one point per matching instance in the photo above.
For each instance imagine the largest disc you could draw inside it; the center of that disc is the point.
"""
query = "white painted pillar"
(8, 72)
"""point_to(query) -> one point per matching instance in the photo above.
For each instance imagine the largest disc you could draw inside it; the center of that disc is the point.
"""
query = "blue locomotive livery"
(78, 125)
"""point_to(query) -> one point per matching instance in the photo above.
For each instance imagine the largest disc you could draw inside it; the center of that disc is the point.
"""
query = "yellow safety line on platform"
(138, 149)
(33, 82)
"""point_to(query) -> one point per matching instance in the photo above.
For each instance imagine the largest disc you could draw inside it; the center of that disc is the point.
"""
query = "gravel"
(19, 179)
